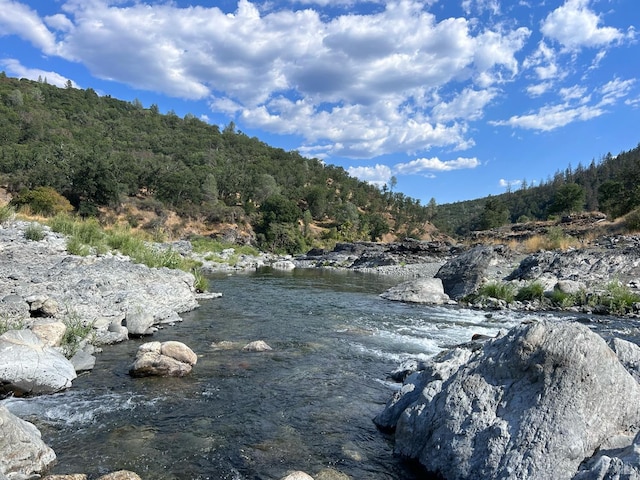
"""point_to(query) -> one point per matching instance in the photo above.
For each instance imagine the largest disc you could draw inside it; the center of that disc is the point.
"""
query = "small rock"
(298, 476)
(139, 323)
(257, 346)
(121, 475)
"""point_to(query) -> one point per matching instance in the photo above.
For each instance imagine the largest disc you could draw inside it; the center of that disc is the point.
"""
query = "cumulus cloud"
(574, 26)
(378, 175)
(362, 84)
(15, 68)
(19, 19)
(435, 165)
(509, 184)
(578, 104)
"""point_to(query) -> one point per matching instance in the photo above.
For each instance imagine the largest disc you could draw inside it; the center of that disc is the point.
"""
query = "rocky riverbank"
(59, 310)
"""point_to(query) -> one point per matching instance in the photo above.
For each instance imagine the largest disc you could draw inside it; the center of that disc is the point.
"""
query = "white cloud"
(614, 90)
(357, 84)
(574, 26)
(19, 19)
(435, 164)
(15, 68)
(509, 184)
(551, 117)
(378, 175)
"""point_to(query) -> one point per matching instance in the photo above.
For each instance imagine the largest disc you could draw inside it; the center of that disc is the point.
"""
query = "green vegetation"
(34, 232)
(7, 213)
(498, 290)
(88, 236)
(533, 291)
(76, 332)
(6, 324)
(608, 185)
(99, 152)
(43, 201)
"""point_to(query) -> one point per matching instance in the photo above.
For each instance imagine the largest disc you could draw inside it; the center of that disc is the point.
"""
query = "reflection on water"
(307, 405)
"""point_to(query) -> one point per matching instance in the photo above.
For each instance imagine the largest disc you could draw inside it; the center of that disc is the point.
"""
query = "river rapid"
(307, 405)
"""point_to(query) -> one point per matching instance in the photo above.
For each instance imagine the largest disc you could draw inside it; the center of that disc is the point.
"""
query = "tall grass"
(88, 236)
(7, 213)
(499, 290)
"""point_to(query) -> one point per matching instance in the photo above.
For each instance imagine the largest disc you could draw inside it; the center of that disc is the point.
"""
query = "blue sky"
(456, 99)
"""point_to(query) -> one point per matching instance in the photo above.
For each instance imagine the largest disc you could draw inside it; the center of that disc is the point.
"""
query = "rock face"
(463, 274)
(421, 290)
(27, 366)
(41, 280)
(22, 451)
(167, 359)
(532, 404)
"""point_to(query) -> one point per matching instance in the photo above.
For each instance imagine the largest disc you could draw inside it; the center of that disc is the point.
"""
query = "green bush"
(34, 232)
(75, 333)
(632, 221)
(534, 291)
(499, 290)
(618, 298)
(43, 201)
(7, 213)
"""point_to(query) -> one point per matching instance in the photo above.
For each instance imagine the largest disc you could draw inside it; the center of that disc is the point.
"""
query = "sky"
(437, 99)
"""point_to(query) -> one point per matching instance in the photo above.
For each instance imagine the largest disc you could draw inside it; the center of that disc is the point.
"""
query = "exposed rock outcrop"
(23, 454)
(535, 403)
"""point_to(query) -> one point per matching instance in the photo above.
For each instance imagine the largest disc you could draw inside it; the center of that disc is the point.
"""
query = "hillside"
(609, 186)
(122, 161)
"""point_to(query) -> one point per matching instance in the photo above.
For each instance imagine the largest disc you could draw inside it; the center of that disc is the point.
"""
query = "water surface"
(307, 405)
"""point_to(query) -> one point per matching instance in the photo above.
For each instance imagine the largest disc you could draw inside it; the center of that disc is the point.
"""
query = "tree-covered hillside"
(100, 152)
(610, 185)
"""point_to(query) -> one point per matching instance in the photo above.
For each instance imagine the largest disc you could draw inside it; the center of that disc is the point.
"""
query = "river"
(307, 405)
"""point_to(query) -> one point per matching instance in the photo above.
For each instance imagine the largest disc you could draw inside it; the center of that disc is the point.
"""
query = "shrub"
(75, 333)
(499, 290)
(619, 298)
(7, 213)
(34, 232)
(42, 201)
(533, 291)
(632, 221)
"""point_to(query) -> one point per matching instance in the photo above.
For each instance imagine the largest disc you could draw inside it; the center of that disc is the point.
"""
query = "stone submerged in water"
(166, 359)
(533, 404)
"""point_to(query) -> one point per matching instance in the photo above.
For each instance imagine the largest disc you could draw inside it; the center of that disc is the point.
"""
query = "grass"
(208, 245)
(533, 291)
(87, 236)
(75, 333)
(34, 232)
(498, 290)
(6, 324)
(7, 213)
(555, 239)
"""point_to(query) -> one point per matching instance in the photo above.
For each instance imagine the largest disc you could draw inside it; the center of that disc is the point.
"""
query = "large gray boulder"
(533, 404)
(23, 454)
(463, 274)
(28, 366)
(421, 290)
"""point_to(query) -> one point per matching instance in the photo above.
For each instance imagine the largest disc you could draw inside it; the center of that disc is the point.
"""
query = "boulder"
(50, 332)
(23, 454)
(83, 361)
(168, 359)
(257, 346)
(463, 274)
(533, 404)
(621, 463)
(139, 323)
(421, 290)
(27, 366)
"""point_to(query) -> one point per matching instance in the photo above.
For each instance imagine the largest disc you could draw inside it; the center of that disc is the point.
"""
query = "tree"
(568, 198)
(495, 214)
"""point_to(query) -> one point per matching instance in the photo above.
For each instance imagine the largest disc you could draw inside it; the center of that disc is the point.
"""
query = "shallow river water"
(307, 405)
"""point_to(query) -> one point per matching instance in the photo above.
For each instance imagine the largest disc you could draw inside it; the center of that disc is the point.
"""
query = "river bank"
(113, 299)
